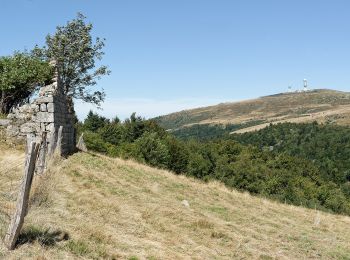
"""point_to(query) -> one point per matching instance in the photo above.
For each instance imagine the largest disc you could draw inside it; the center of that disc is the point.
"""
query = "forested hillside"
(327, 146)
(287, 177)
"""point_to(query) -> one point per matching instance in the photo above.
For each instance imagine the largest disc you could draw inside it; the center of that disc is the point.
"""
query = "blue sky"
(169, 55)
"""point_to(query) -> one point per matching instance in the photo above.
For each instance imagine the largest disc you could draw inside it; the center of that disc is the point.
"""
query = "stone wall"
(46, 113)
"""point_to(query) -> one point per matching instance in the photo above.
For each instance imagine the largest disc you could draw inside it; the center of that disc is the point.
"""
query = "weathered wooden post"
(52, 144)
(30, 138)
(41, 163)
(81, 144)
(59, 141)
(23, 197)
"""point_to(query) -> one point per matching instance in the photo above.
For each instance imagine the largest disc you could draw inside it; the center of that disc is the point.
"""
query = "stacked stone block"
(47, 113)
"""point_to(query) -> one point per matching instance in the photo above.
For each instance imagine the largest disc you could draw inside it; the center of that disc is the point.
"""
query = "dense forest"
(264, 166)
(327, 146)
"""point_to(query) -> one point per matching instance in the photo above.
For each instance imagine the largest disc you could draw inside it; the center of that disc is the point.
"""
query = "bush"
(130, 151)
(178, 153)
(198, 166)
(95, 142)
(112, 133)
(153, 150)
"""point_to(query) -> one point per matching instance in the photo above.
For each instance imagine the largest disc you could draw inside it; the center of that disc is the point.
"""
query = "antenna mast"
(305, 85)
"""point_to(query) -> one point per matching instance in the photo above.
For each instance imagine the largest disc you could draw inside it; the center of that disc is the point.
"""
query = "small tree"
(134, 127)
(93, 122)
(75, 52)
(20, 75)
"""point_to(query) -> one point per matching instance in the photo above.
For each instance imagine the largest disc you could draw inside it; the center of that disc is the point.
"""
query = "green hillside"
(317, 105)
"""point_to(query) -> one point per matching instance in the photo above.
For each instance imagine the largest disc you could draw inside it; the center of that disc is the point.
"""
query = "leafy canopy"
(20, 75)
(76, 54)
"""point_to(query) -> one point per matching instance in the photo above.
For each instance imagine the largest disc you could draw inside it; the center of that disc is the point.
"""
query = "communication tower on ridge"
(305, 85)
(289, 89)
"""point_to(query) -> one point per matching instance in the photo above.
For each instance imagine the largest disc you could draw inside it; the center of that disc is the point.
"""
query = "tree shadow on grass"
(45, 237)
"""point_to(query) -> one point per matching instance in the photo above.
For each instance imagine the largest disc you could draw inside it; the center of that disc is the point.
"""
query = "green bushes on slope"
(278, 175)
(327, 146)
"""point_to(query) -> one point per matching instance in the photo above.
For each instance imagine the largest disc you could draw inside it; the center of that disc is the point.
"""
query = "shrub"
(95, 142)
(112, 133)
(153, 150)
(178, 153)
(198, 166)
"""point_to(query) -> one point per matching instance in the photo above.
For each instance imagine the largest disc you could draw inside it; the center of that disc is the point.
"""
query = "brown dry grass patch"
(114, 209)
(320, 106)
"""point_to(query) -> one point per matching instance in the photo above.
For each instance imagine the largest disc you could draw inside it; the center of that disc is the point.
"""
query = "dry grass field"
(94, 207)
(318, 105)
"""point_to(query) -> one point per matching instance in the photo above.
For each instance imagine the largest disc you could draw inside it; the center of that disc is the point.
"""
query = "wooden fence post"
(41, 163)
(81, 144)
(52, 144)
(30, 138)
(59, 141)
(23, 197)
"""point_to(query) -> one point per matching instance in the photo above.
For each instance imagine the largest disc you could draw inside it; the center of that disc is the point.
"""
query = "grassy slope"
(114, 208)
(320, 105)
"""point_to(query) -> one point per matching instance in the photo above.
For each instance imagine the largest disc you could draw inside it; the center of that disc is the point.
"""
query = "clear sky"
(169, 55)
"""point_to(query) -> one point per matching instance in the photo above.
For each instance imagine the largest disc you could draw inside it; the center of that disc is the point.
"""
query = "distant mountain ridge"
(321, 105)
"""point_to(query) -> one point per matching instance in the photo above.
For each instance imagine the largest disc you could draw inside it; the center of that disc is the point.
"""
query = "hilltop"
(322, 105)
(92, 206)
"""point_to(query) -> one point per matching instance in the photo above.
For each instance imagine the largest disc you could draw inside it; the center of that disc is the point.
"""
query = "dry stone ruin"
(45, 114)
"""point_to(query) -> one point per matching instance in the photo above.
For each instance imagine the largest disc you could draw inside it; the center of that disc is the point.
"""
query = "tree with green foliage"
(112, 133)
(93, 122)
(134, 127)
(198, 166)
(179, 154)
(20, 75)
(76, 53)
